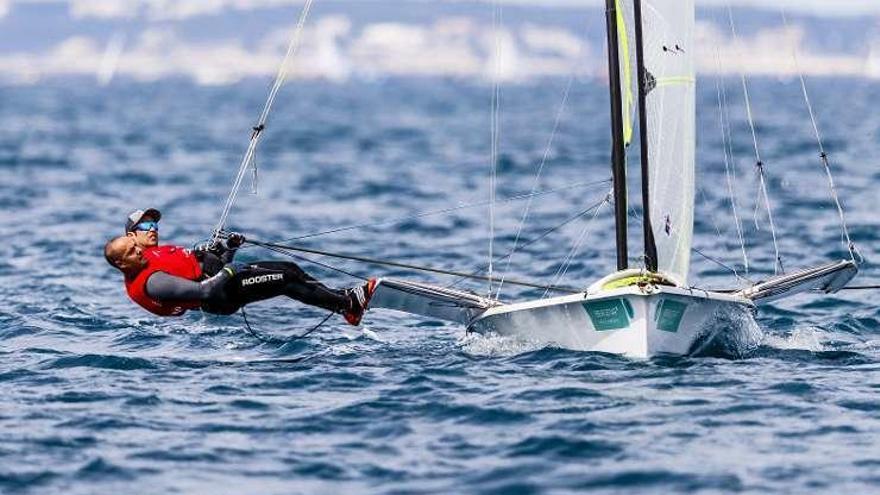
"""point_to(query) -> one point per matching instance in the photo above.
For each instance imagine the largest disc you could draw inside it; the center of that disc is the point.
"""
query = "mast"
(643, 83)
(618, 153)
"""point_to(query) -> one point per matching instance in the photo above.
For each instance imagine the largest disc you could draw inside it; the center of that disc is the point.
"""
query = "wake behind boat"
(652, 309)
(632, 313)
(639, 319)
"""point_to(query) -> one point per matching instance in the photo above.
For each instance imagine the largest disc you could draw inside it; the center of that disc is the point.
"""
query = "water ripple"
(100, 397)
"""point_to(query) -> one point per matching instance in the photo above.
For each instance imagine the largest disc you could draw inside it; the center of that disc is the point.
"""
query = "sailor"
(169, 280)
(143, 227)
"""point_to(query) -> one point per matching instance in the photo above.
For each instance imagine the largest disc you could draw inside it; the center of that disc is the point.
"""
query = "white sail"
(668, 35)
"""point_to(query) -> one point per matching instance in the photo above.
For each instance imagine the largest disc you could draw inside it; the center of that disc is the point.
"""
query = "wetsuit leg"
(267, 279)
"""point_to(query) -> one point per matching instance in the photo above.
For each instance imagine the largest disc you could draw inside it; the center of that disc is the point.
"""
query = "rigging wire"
(729, 163)
(566, 263)
(427, 213)
(711, 214)
(537, 239)
(495, 125)
(257, 130)
(254, 177)
(289, 251)
(823, 155)
(718, 236)
(635, 215)
(759, 164)
(544, 157)
(721, 264)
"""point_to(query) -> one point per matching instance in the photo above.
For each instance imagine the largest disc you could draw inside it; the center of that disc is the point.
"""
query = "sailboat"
(648, 310)
(643, 311)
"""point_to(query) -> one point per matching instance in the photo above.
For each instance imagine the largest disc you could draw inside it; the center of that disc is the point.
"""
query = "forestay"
(670, 81)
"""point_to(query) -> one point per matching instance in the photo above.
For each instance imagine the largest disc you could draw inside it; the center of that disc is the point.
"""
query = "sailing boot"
(360, 300)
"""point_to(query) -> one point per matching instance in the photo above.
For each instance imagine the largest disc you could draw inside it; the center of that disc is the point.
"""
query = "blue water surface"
(97, 396)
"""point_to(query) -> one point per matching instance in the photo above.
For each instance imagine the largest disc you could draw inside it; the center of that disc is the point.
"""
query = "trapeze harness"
(172, 260)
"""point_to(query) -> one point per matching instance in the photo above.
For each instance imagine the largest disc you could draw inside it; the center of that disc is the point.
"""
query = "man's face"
(145, 238)
(128, 255)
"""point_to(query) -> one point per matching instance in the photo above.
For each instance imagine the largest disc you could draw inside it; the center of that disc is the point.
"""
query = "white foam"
(369, 334)
(494, 345)
(807, 339)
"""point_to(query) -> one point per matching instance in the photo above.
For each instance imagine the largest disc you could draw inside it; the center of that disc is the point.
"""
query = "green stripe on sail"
(623, 39)
(672, 81)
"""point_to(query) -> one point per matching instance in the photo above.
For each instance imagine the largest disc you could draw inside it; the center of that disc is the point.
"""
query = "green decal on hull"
(609, 314)
(669, 315)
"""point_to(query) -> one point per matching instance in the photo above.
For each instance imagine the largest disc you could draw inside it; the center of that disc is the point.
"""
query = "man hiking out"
(142, 226)
(169, 280)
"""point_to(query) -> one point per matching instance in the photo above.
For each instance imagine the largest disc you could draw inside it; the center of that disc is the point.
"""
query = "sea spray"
(734, 334)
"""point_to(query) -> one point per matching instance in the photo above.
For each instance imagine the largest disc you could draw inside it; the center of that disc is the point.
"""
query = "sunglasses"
(147, 226)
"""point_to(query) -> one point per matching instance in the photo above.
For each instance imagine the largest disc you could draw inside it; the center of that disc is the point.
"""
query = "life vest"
(173, 260)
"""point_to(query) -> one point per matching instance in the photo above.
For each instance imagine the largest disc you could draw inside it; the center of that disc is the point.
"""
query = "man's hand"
(211, 246)
(235, 240)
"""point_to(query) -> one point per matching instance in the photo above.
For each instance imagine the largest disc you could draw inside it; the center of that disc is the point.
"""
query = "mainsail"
(668, 82)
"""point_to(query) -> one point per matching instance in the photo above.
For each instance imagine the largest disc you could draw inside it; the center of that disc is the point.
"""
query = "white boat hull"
(632, 321)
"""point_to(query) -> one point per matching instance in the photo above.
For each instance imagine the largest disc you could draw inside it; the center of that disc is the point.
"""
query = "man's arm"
(164, 287)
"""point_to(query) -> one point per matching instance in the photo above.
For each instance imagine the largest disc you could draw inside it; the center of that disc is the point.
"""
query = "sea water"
(97, 396)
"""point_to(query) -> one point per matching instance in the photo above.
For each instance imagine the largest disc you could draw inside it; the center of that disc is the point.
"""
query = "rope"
(543, 235)
(257, 130)
(566, 263)
(718, 262)
(372, 261)
(273, 340)
(287, 253)
(721, 264)
(823, 155)
(759, 164)
(517, 197)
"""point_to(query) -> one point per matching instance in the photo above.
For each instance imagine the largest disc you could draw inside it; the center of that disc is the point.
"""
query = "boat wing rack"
(828, 278)
(429, 300)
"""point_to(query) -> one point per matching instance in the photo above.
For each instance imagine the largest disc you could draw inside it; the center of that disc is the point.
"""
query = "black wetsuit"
(223, 293)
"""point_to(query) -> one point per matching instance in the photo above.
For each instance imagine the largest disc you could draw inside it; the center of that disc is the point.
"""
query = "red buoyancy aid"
(173, 260)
